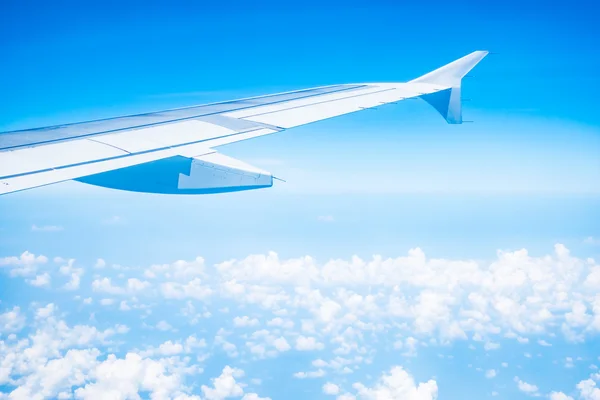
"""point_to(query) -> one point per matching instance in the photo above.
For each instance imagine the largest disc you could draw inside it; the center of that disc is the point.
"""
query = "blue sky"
(89, 277)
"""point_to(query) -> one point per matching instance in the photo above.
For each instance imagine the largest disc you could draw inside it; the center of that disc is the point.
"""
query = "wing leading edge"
(173, 151)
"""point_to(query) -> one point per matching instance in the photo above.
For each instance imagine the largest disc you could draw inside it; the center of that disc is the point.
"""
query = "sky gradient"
(89, 277)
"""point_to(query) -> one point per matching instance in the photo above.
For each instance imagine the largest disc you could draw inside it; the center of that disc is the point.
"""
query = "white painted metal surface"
(172, 151)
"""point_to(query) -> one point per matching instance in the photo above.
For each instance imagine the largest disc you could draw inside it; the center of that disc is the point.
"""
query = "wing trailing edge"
(205, 174)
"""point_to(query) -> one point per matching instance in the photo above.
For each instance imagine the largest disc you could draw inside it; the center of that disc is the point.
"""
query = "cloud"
(559, 396)
(398, 384)
(281, 344)
(40, 280)
(331, 389)
(569, 362)
(163, 326)
(588, 389)
(12, 321)
(591, 240)
(311, 374)
(525, 387)
(225, 386)
(47, 228)
(25, 265)
(195, 289)
(244, 321)
(350, 309)
(133, 285)
(304, 343)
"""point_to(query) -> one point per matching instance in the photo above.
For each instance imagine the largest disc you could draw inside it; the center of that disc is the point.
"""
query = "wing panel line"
(126, 155)
(321, 102)
(158, 123)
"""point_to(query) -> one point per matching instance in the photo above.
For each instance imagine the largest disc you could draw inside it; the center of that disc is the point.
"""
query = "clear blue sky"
(524, 175)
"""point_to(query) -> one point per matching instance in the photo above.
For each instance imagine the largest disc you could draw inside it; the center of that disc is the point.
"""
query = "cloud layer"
(340, 313)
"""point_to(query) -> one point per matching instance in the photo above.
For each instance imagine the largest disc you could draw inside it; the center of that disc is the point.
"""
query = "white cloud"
(281, 344)
(331, 389)
(281, 323)
(132, 286)
(491, 346)
(311, 374)
(591, 240)
(46, 228)
(490, 373)
(525, 387)
(127, 377)
(224, 385)
(304, 343)
(25, 265)
(244, 321)
(163, 326)
(40, 280)
(588, 390)
(37, 364)
(100, 263)
(12, 321)
(398, 384)
(352, 306)
(559, 396)
(193, 289)
(325, 218)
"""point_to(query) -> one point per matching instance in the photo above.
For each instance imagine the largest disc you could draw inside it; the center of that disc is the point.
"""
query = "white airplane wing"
(173, 151)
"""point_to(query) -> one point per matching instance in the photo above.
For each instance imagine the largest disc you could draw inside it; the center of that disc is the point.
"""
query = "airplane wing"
(173, 151)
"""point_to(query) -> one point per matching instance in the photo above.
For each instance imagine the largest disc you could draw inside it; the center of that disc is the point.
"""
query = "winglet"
(447, 101)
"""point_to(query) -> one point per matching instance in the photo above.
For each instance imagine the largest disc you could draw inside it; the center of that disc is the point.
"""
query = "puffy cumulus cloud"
(244, 321)
(51, 357)
(588, 388)
(397, 384)
(349, 306)
(178, 271)
(525, 387)
(40, 280)
(133, 285)
(311, 374)
(559, 396)
(127, 377)
(304, 343)
(49, 336)
(114, 377)
(24, 265)
(263, 343)
(194, 289)
(331, 388)
(12, 321)
(171, 348)
(490, 373)
(226, 385)
(55, 360)
(515, 295)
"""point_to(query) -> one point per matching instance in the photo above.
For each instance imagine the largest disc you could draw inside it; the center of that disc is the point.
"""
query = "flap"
(209, 173)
